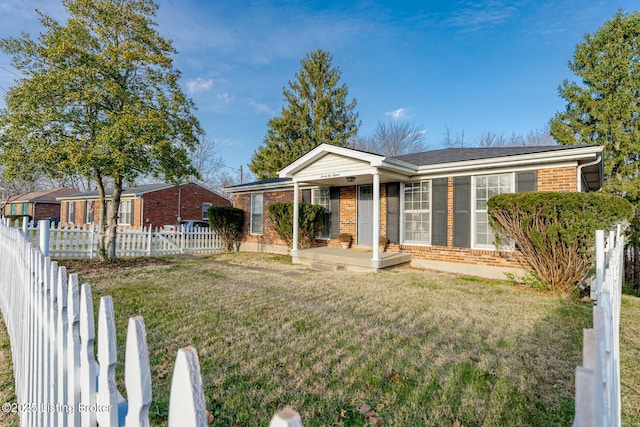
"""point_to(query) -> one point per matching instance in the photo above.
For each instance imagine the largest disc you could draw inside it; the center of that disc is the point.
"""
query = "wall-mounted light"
(350, 178)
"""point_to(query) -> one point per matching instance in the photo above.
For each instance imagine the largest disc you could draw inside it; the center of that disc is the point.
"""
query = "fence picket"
(186, 404)
(137, 374)
(61, 348)
(73, 349)
(87, 359)
(107, 399)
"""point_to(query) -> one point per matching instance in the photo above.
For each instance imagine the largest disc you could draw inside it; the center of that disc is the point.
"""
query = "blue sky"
(471, 66)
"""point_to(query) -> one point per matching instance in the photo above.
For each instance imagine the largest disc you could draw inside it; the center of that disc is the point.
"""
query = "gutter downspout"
(579, 172)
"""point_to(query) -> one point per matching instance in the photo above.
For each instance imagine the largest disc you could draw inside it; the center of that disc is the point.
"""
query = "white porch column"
(376, 218)
(296, 207)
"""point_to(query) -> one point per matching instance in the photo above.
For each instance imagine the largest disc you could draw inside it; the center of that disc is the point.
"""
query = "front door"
(365, 215)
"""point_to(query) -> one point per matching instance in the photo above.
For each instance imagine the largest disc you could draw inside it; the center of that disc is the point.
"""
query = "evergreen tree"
(604, 108)
(99, 97)
(316, 112)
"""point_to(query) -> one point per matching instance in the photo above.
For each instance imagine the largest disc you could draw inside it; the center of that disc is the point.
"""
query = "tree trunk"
(112, 227)
(102, 222)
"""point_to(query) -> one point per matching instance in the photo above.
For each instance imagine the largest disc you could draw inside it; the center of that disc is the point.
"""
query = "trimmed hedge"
(227, 223)
(310, 219)
(556, 231)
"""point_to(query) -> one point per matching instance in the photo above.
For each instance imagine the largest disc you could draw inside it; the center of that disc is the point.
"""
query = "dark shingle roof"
(261, 182)
(451, 155)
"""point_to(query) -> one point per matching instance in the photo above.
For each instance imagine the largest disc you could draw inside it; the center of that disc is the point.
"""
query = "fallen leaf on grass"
(370, 415)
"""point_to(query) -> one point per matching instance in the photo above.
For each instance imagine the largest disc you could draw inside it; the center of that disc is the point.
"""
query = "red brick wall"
(558, 179)
(269, 235)
(44, 210)
(161, 207)
(555, 179)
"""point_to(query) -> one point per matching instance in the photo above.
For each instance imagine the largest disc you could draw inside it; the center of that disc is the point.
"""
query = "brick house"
(36, 205)
(431, 205)
(146, 205)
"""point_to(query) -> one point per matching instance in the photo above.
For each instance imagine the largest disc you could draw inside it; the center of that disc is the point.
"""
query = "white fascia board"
(320, 151)
(571, 155)
(331, 174)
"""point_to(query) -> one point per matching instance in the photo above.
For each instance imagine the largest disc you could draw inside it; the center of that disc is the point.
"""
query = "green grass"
(419, 348)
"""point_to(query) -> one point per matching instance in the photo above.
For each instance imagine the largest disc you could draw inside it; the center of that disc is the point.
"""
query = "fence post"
(25, 226)
(150, 241)
(595, 290)
(43, 230)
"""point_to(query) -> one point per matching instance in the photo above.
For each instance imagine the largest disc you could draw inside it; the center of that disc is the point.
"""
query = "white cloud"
(261, 108)
(399, 114)
(199, 85)
(224, 97)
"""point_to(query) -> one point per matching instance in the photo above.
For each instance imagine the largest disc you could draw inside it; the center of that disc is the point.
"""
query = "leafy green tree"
(316, 112)
(98, 96)
(604, 108)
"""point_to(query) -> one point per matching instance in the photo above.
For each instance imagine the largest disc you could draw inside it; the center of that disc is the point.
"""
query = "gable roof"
(452, 155)
(136, 191)
(44, 196)
(330, 165)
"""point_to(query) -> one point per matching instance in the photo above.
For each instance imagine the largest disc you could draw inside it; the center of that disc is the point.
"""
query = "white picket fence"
(82, 242)
(58, 381)
(598, 379)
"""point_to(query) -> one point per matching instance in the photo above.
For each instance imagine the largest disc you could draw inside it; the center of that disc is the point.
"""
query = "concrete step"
(326, 266)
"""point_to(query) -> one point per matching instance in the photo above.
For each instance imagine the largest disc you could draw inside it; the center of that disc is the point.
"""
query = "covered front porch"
(355, 259)
(357, 212)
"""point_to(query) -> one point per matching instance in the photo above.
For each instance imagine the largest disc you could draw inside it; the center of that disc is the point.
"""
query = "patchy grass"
(7, 391)
(412, 347)
(405, 347)
(630, 360)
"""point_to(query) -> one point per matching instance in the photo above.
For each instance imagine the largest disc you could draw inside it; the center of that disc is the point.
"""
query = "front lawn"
(417, 347)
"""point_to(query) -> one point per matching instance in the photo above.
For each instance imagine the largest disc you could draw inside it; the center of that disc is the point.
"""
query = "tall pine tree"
(316, 112)
(604, 108)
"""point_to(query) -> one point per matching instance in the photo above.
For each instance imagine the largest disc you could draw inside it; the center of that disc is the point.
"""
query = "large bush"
(310, 219)
(226, 222)
(556, 231)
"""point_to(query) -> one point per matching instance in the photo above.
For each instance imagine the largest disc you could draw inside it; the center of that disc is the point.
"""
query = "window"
(417, 212)
(125, 212)
(71, 212)
(486, 187)
(205, 210)
(89, 212)
(25, 208)
(256, 213)
(322, 197)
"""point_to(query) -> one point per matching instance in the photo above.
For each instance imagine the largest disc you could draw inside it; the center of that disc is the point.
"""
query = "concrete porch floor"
(356, 259)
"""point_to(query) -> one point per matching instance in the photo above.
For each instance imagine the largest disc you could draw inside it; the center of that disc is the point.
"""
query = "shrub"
(310, 219)
(226, 222)
(556, 231)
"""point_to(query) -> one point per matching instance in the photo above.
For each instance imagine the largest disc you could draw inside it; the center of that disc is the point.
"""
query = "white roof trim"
(574, 154)
(323, 149)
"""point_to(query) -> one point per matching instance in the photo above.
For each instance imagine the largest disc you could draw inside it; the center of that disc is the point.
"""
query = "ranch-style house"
(150, 205)
(431, 206)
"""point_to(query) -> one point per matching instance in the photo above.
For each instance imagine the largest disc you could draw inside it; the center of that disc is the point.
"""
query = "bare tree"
(534, 138)
(393, 139)
(453, 141)
(206, 161)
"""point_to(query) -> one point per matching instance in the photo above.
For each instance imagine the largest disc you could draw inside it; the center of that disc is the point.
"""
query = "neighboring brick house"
(146, 205)
(431, 204)
(36, 205)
